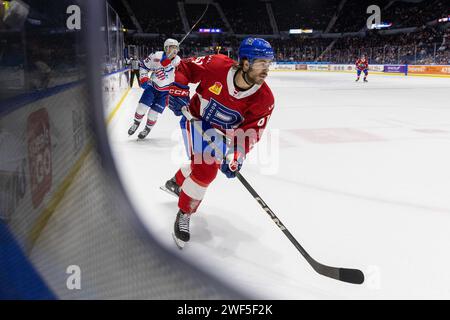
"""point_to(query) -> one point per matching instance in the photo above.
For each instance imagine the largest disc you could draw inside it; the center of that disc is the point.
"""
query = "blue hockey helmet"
(255, 48)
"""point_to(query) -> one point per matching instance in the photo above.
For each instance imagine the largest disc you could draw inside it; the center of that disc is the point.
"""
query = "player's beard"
(254, 76)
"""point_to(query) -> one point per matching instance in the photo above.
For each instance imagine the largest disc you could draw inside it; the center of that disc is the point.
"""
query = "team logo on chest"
(220, 115)
(216, 88)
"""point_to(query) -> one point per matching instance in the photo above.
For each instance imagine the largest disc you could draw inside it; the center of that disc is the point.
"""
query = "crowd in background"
(252, 16)
(428, 44)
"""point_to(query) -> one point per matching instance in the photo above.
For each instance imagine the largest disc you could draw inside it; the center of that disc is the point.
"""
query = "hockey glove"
(144, 83)
(232, 163)
(178, 97)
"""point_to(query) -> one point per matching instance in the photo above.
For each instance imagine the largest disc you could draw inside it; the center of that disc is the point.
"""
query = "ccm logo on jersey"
(179, 92)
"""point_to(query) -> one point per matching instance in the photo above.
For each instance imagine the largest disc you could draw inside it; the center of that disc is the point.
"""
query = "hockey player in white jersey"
(157, 72)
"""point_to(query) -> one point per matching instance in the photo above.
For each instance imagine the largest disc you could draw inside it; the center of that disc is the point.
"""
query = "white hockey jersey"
(161, 77)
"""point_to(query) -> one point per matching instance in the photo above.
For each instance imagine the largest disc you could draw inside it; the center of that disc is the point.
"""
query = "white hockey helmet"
(171, 42)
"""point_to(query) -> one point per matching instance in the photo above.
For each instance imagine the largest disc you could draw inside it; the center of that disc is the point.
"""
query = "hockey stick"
(199, 19)
(354, 276)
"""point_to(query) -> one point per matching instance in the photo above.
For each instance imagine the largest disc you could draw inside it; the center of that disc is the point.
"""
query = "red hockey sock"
(179, 177)
(188, 204)
(150, 123)
(138, 117)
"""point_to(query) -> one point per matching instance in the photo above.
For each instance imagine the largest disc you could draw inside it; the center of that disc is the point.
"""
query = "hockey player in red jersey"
(362, 65)
(231, 98)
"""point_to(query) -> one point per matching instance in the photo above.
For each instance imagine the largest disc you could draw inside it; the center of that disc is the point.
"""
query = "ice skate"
(133, 128)
(172, 187)
(181, 229)
(144, 133)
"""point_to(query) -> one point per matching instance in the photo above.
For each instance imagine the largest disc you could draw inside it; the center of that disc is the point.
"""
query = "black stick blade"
(354, 276)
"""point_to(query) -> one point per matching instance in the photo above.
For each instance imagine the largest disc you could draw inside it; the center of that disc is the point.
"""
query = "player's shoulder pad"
(220, 62)
(176, 61)
(210, 60)
(153, 59)
(158, 54)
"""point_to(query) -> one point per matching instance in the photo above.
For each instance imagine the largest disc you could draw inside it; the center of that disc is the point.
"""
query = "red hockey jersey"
(362, 64)
(218, 102)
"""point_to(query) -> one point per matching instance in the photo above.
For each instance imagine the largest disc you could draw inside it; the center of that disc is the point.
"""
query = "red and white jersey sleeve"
(241, 115)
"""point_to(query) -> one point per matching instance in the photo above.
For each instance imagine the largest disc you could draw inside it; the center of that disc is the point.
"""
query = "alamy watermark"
(375, 18)
(73, 281)
(73, 22)
(265, 154)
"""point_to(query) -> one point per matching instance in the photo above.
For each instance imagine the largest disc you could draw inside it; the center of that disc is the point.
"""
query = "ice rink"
(358, 172)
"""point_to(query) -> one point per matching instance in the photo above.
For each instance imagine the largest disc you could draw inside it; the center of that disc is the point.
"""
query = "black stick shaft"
(274, 218)
(348, 275)
(199, 19)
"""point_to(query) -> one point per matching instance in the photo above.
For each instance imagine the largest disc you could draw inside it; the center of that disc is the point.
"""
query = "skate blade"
(163, 188)
(180, 244)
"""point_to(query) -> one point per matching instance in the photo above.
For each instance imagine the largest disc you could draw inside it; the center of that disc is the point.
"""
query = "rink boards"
(403, 70)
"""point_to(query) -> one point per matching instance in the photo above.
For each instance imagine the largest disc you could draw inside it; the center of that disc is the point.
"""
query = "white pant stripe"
(186, 170)
(193, 190)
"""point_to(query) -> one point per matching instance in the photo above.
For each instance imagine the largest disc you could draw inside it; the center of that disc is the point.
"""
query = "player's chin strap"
(343, 274)
(244, 76)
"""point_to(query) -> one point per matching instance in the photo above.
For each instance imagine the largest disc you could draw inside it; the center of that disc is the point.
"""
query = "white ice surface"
(358, 172)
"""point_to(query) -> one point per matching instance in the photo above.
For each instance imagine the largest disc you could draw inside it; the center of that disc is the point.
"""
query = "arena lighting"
(446, 19)
(298, 31)
(207, 30)
(381, 25)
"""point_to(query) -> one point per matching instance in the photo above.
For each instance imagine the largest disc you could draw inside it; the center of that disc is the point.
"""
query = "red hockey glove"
(144, 83)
